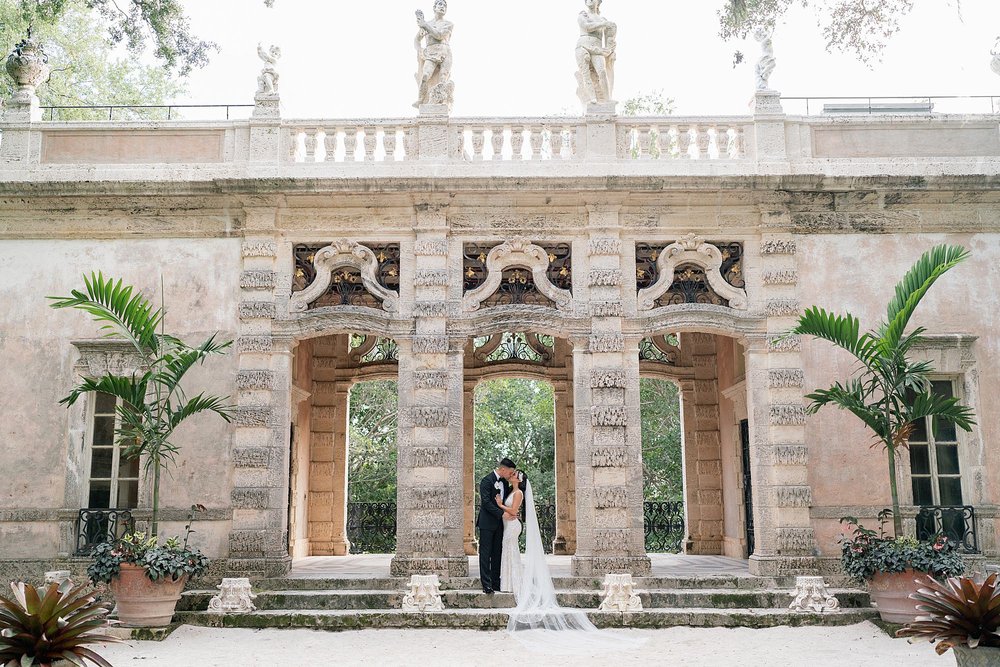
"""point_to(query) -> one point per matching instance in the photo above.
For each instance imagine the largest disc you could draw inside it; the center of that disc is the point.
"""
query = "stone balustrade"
(683, 138)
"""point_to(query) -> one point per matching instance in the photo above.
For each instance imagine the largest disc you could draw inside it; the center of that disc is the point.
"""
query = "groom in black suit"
(490, 524)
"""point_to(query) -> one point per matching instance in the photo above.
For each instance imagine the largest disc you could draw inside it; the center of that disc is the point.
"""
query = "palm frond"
(945, 408)
(914, 285)
(844, 331)
(174, 365)
(200, 403)
(851, 397)
(131, 390)
(123, 313)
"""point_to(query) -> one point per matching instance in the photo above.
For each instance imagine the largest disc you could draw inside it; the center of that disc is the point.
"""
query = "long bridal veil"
(538, 620)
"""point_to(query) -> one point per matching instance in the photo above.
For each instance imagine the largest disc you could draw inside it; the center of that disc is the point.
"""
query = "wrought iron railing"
(957, 523)
(664, 526)
(97, 526)
(371, 527)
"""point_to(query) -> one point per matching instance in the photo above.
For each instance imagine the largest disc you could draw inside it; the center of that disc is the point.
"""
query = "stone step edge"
(345, 592)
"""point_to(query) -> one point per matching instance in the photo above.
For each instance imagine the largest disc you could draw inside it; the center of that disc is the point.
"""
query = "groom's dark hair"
(507, 463)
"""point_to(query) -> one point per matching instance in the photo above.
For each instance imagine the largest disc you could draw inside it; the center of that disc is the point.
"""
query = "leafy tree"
(662, 471)
(151, 403)
(653, 103)
(889, 391)
(860, 27)
(372, 422)
(85, 68)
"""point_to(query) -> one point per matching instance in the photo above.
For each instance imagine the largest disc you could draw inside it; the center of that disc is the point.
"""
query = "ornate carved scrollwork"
(700, 271)
(516, 254)
(352, 262)
(367, 350)
(661, 349)
(514, 347)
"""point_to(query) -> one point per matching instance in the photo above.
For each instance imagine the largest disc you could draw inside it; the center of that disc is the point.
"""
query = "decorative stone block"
(791, 455)
(430, 278)
(788, 415)
(780, 343)
(607, 378)
(259, 249)
(253, 417)
(781, 277)
(793, 496)
(254, 499)
(782, 307)
(778, 378)
(430, 457)
(607, 343)
(611, 540)
(251, 457)
(811, 596)
(796, 539)
(619, 594)
(255, 379)
(429, 417)
(777, 247)
(235, 597)
(428, 541)
(430, 345)
(424, 594)
(610, 497)
(609, 457)
(430, 380)
(246, 542)
(257, 310)
(609, 415)
(434, 498)
(254, 344)
(605, 278)
(431, 247)
(607, 309)
(605, 246)
(257, 280)
(430, 309)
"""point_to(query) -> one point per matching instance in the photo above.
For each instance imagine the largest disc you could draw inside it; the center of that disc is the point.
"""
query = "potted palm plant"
(960, 614)
(151, 404)
(889, 391)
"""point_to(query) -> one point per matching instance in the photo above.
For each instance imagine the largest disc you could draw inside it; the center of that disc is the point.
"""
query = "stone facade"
(218, 209)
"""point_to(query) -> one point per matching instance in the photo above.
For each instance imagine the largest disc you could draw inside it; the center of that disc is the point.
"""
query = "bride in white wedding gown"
(538, 621)
(510, 558)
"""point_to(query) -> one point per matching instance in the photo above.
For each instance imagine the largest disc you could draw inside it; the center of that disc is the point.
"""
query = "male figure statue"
(434, 85)
(490, 523)
(595, 55)
(267, 82)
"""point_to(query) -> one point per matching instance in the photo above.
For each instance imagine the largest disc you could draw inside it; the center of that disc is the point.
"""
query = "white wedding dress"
(510, 559)
(538, 621)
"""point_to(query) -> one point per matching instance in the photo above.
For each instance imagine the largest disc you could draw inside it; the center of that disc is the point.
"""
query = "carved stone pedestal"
(424, 594)
(619, 594)
(811, 596)
(235, 597)
(266, 105)
(57, 576)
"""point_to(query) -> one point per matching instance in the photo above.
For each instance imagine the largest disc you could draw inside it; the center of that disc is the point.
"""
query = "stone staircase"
(359, 603)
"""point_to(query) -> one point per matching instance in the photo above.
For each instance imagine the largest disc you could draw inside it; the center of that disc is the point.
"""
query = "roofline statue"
(434, 84)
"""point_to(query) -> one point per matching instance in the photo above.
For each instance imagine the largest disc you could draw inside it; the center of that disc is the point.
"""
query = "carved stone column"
(785, 542)
(565, 538)
(689, 457)
(469, 492)
(610, 535)
(430, 475)
(703, 459)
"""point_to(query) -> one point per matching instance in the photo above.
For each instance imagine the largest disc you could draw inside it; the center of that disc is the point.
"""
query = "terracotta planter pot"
(142, 602)
(977, 657)
(891, 595)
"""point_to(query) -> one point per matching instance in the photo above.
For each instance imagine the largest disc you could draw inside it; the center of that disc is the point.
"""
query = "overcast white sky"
(356, 59)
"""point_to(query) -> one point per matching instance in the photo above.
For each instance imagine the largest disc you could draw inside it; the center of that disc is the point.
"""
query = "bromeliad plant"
(959, 612)
(61, 624)
(890, 391)
(151, 402)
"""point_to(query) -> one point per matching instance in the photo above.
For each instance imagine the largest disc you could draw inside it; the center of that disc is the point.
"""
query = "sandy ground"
(862, 644)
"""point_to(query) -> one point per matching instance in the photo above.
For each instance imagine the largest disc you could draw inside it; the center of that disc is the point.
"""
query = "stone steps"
(333, 599)
(735, 582)
(490, 619)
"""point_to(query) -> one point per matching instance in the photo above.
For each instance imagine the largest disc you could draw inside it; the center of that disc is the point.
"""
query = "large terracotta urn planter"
(890, 592)
(983, 656)
(143, 602)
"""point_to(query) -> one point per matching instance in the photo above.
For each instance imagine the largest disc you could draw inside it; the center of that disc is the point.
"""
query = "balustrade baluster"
(655, 149)
(684, 142)
(736, 151)
(703, 142)
(569, 142)
(410, 143)
(330, 145)
(350, 144)
(370, 144)
(557, 143)
(496, 140)
(478, 143)
(713, 143)
(536, 139)
(642, 142)
(517, 142)
(389, 141)
(319, 146)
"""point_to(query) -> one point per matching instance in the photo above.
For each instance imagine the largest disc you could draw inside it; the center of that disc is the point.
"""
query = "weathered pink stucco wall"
(37, 369)
(857, 273)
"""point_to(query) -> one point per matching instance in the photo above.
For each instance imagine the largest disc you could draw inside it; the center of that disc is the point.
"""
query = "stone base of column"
(267, 105)
(455, 566)
(783, 566)
(593, 566)
(257, 568)
(471, 546)
(560, 548)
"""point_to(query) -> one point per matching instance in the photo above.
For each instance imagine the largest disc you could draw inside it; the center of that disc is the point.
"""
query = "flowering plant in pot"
(960, 614)
(890, 565)
(146, 577)
(889, 392)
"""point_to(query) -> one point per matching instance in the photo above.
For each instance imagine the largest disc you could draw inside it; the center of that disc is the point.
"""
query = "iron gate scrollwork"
(97, 526)
(664, 525)
(371, 528)
(346, 287)
(957, 523)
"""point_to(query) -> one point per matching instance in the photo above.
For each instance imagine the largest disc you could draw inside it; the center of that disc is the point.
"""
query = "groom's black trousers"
(490, 548)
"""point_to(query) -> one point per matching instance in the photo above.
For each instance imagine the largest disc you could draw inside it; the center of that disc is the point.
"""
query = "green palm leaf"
(841, 330)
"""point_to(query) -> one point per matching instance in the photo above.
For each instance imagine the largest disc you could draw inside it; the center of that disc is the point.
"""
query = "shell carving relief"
(518, 253)
(702, 261)
(349, 256)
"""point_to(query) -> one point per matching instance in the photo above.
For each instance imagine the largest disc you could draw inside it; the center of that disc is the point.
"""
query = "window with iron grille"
(935, 468)
(113, 480)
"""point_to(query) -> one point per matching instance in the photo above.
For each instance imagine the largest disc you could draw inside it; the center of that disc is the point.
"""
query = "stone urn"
(890, 592)
(143, 602)
(984, 656)
(28, 66)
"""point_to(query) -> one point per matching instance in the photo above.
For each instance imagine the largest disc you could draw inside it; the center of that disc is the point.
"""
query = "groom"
(491, 523)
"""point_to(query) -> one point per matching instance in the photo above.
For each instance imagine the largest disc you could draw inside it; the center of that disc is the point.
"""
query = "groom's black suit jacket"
(491, 516)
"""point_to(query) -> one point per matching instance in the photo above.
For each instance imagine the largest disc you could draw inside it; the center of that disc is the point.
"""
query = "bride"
(538, 620)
